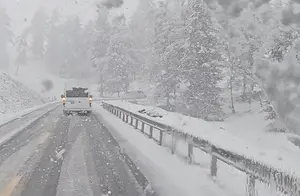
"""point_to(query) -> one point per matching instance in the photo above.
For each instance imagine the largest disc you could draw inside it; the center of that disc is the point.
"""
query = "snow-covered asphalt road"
(61, 155)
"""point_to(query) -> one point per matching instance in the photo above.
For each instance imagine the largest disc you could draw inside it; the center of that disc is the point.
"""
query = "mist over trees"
(201, 58)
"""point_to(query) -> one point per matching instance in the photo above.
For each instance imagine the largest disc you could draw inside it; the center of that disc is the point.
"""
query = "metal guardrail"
(255, 170)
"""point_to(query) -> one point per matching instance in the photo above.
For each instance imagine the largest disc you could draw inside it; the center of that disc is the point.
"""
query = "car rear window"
(77, 92)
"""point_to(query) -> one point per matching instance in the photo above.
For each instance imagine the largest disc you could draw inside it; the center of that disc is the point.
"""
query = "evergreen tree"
(53, 48)
(202, 70)
(5, 38)
(73, 64)
(142, 30)
(100, 47)
(168, 53)
(22, 48)
(119, 60)
(38, 31)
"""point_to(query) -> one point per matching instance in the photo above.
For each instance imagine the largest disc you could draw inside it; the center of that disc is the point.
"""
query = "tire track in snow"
(24, 137)
(12, 168)
(109, 163)
(15, 154)
(44, 178)
(74, 179)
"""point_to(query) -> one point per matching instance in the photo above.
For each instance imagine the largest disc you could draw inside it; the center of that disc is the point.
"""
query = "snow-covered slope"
(36, 77)
(15, 96)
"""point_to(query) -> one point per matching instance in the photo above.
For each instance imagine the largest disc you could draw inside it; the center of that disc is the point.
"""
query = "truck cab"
(77, 100)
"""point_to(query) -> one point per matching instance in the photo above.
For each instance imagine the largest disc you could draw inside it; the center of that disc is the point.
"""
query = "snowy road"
(64, 156)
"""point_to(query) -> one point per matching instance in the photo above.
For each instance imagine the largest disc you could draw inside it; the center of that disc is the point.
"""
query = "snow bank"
(16, 99)
(5, 118)
(14, 96)
(270, 148)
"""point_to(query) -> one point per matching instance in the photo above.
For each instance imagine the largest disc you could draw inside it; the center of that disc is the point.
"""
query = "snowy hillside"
(15, 96)
(37, 78)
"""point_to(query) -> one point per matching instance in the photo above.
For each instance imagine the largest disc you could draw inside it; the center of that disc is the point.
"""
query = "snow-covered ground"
(171, 175)
(243, 135)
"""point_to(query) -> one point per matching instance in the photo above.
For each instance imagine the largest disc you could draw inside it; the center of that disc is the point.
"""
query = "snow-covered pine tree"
(100, 47)
(53, 48)
(202, 70)
(142, 31)
(119, 59)
(22, 47)
(168, 52)
(5, 39)
(70, 59)
(271, 114)
(75, 42)
(38, 30)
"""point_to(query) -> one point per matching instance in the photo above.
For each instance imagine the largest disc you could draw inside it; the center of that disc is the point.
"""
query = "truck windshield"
(77, 92)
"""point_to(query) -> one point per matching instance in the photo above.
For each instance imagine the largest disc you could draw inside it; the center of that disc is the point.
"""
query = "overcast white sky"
(18, 10)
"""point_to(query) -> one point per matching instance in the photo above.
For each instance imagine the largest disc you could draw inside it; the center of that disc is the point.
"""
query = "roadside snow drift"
(15, 97)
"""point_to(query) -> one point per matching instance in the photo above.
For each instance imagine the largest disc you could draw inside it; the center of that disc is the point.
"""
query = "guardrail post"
(173, 146)
(151, 132)
(213, 165)
(131, 121)
(161, 137)
(124, 116)
(143, 127)
(136, 123)
(250, 186)
(127, 118)
(190, 153)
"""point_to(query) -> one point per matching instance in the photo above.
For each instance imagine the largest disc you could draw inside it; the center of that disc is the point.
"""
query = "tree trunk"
(250, 94)
(17, 70)
(101, 90)
(244, 85)
(175, 94)
(260, 101)
(101, 84)
(231, 96)
(168, 101)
